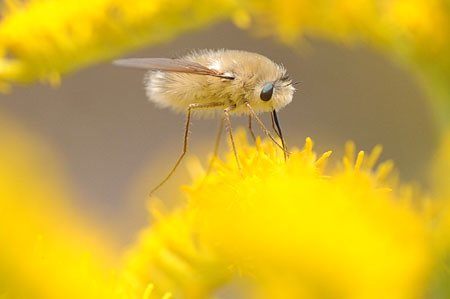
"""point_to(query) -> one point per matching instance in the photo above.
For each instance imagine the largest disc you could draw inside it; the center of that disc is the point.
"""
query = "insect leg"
(185, 139)
(277, 128)
(250, 129)
(263, 127)
(226, 115)
(216, 146)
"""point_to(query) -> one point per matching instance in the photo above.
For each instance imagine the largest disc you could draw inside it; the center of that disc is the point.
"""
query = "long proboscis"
(279, 132)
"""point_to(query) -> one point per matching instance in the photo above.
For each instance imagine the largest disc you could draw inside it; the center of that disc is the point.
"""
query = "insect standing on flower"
(217, 82)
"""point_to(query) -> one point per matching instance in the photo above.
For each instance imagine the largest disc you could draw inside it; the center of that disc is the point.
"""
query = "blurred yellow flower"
(412, 32)
(288, 230)
(169, 259)
(40, 39)
(47, 249)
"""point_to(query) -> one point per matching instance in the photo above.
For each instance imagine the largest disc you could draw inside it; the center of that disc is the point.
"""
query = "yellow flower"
(169, 260)
(412, 32)
(40, 39)
(277, 229)
(289, 230)
(47, 249)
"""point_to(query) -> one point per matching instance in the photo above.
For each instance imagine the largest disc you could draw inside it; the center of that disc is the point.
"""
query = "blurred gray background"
(112, 139)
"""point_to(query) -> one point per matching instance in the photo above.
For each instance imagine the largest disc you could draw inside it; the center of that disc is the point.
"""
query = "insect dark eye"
(266, 92)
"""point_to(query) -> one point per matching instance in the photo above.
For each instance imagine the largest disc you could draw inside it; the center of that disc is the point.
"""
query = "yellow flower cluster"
(301, 228)
(383, 22)
(413, 32)
(40, 39)
(288, 230)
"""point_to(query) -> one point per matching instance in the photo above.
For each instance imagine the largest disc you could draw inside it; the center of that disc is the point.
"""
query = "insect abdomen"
(179, 90)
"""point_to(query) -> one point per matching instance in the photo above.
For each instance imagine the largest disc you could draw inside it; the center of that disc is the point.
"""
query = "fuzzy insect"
(211, 82)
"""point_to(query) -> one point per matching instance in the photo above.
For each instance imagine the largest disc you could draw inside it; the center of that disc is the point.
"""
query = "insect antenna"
(292, 83)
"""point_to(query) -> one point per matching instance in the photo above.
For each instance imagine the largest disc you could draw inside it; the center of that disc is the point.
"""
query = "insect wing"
(168, 65)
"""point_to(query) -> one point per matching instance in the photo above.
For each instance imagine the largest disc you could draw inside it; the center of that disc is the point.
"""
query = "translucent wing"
(170, 65)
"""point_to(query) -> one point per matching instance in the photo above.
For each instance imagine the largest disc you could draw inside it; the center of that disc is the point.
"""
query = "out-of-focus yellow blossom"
(413, 32)
(439, 212)
(46, 250)
(169, 259)
(288, 230)
(40, 39)
(386, 23)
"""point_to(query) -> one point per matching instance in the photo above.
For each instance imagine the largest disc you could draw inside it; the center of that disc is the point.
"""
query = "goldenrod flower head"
(170, 261)
(40, 39)
(412, 32)
(289, 229)
(377, 21)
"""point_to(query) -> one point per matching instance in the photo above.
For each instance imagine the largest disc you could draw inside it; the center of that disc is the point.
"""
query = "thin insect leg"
(250, 129)
(276, 123)
(263, 127)
(185, 141)
(216, 146)
(226, 115)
